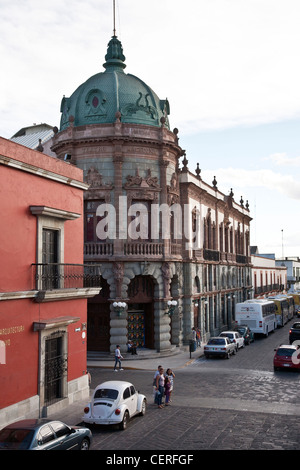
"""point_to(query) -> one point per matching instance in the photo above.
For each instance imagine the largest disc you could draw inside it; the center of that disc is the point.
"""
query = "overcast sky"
(229, 68)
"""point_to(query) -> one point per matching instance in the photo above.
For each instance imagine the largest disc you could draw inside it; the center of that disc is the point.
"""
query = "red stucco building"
(44, 285)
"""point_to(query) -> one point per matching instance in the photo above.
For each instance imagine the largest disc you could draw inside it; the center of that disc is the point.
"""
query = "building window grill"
(55, 368)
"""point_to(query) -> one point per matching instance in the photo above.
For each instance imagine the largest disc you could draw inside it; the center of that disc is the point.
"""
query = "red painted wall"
(19, 376)
(18, 244)
(19, 191)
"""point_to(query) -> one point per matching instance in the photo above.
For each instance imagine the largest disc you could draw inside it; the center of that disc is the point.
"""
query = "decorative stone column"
(118, 166)
(187, 302)
(118, 330)
(161, 326)
(118, 322)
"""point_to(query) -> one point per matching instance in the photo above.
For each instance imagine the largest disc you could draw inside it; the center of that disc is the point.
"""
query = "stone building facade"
(159, 231)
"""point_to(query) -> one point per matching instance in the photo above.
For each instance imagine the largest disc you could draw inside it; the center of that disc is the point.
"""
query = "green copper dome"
(103, 95)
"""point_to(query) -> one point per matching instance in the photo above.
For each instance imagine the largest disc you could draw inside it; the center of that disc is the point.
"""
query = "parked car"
(44, 434)
(246, 333)
(219, 346)
(287, 356)
(235, 338)
(114, 402)
(294, 333)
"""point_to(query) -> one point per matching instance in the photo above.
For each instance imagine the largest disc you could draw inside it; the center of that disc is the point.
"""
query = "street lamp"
(119, 307)
(171, 307)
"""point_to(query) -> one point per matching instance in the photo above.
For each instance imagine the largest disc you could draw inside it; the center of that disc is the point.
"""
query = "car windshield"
(285, 351)
(296, 325)
(242, 330)
(106, 393)
(16, 438)
(229, 335)
(216, 341)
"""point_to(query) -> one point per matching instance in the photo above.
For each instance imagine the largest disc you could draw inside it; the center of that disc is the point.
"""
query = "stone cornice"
(107, 133)
(52, 212)
(18, 165)
(51, 295)
(201, 194)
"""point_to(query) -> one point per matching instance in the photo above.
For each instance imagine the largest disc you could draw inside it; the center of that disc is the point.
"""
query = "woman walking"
(118, 357)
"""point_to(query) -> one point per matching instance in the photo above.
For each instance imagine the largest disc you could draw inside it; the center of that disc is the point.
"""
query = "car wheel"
(124, 422)
(85, 444)
(143, 412)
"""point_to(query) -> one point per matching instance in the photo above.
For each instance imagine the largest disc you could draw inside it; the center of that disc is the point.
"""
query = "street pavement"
(217, 404)
(145, 361)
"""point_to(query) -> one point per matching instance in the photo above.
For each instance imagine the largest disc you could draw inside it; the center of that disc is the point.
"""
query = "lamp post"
(119, 307)
(171, 307)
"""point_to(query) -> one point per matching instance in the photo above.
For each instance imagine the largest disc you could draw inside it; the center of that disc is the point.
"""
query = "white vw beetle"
(114, 402)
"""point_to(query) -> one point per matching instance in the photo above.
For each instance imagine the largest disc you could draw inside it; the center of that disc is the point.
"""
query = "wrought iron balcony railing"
(52, 276)
(211, 255)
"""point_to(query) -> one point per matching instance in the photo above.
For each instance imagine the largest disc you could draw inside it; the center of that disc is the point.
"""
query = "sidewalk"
(148, 359)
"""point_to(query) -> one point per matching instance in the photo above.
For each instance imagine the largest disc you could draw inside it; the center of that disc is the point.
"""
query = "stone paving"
(199, 420)
(217, 405)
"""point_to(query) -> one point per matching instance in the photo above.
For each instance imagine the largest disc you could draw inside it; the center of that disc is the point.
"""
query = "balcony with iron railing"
(211, 255)
(53, 276)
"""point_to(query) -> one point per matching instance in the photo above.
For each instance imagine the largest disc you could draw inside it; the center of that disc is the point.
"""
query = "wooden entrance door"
(141, 324)
(141, 295)
(98, 320)
(98, 327)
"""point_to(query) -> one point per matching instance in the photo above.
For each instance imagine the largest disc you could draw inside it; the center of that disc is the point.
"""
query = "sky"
(229, 68)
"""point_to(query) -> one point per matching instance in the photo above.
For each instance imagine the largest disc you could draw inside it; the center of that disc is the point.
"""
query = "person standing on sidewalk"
(160, 382)
(118, 358)
(167, 390)
(170, 374)
(198, 335)
(154, 384)
(194, 338)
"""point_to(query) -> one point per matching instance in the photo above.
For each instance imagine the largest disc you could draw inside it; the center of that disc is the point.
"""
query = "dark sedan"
(44, 434)
(246, 333)
(294, 333)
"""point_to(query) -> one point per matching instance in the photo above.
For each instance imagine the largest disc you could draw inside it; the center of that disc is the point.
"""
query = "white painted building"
(268, 276)
(293, 271)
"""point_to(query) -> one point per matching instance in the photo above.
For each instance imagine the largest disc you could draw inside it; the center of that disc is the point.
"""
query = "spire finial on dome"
(114, 16)
(114, 57)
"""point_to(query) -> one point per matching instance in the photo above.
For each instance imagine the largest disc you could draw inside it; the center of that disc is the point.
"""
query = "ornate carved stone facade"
(175, 236)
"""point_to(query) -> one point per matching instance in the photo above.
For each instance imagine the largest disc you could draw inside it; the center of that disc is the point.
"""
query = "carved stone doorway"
(141, 311)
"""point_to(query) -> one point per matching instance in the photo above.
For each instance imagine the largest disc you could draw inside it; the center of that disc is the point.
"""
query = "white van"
(259, 316)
